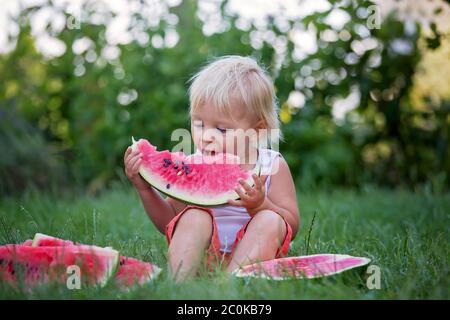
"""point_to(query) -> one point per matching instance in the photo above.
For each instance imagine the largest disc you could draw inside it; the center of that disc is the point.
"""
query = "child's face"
(214, 132)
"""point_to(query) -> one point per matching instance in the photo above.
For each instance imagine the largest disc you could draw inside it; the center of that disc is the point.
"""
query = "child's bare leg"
(192, 236)
(265, 234)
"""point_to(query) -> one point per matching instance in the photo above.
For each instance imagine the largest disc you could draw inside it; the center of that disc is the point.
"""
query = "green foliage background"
(62, 123)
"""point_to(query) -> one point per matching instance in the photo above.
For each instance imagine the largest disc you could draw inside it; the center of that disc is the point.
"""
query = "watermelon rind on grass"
(302, 267)
(45, 260)
(42, 240)
(38, 265)
(128, 272)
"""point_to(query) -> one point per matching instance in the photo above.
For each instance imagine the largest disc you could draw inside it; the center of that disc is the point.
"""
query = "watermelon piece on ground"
(34, 265)
(309, 267)
(133, 271)
(130, 271)
(28, 242)
(43, 240)
(196, 179)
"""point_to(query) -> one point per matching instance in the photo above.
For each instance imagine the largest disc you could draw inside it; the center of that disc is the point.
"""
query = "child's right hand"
(132, 161)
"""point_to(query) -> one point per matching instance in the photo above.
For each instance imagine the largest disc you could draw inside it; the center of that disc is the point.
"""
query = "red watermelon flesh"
(133, 271)
(130, 271)
(43, 240)
(28, 242)
(313, 266)
(34, 265)
(196, 179)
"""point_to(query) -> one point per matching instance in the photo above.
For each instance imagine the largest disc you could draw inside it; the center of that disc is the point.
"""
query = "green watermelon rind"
(217, 201)
(240, 273)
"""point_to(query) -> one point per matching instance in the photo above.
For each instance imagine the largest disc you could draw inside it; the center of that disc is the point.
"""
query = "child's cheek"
(195, 134)
(227, 143)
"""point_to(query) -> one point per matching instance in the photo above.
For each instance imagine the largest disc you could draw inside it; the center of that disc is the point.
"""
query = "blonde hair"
(242, 78)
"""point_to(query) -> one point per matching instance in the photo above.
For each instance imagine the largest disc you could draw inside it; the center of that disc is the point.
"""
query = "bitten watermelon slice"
(130, 271)
(313, 266)
(195, 179)
(34, 265)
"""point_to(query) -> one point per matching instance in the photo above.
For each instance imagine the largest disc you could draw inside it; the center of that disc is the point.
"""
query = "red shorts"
(213, 255)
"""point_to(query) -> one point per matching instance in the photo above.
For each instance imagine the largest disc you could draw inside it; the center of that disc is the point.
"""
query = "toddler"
(232, 105)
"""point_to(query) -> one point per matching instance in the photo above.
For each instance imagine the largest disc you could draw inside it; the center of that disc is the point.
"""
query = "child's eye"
(222, 130)
(198, 124)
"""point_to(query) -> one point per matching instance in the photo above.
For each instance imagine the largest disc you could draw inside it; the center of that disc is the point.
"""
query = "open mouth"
(208, 153)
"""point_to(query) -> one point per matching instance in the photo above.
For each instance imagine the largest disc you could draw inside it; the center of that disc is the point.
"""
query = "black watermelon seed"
(175, 167)
(186, 169)
(168, 186)
(165, 165)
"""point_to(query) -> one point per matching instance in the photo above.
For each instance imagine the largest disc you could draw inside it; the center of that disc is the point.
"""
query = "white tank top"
(230, 219)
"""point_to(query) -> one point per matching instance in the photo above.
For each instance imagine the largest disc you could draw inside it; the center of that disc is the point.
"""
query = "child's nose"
(208, 136)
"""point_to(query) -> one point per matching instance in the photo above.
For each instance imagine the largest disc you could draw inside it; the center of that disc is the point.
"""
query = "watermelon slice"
(34, 265)
(43, 240)
(195, 179)
(131, 271)
(309, 267)
(28, 242)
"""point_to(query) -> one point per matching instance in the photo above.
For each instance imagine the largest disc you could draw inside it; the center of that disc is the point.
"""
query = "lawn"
(405, 233)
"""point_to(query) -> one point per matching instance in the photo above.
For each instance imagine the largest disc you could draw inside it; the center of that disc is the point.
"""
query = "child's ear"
(260, 135)
(261, 124)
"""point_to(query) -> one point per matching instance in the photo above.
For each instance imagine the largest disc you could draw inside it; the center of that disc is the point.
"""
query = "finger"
(131, 156)
(241, 194)
(235, 202)
(135, 154)
(128, 162)
(133, 160)
(246, 187)
(136, 166)
(133, 168)
(257, 180)
(127, 152)
(264, 178)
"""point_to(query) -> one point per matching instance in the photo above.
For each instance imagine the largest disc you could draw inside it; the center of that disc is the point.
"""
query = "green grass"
(406, 234)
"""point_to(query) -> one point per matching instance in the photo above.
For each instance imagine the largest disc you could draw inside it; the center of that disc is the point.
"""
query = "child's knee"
(196, 218)
(271, 222)
(195, 227)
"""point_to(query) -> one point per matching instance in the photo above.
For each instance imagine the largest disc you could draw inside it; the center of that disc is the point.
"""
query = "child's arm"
(159, 210)
(282, 197)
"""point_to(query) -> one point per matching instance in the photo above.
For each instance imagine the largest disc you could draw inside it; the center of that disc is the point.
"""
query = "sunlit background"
(363, 87)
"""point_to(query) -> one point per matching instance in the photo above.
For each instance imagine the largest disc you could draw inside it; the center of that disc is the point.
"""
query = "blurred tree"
(346, 106)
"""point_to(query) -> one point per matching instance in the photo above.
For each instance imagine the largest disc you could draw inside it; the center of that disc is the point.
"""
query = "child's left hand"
(253, 197)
